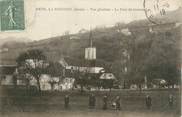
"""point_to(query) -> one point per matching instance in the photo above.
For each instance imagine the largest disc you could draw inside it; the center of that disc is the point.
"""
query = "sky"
(42, 23)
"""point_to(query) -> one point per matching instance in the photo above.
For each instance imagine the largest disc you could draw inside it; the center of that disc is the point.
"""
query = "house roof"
(7, 66)
(7, 62)
(8, 70)
(107, 76)
(95, 70)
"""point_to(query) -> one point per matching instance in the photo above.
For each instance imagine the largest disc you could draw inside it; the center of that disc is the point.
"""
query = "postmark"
(155, 10)
(12, 15)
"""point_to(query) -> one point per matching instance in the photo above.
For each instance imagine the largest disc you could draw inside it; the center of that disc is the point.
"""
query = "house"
(159, 83)
(7, 70)
(85, 69)
(107, 76)
(9, 74)
(67, 84)
(70, 70)
(6, 74)
(74, 37)
(44, 82)
(81, 31)
(48, 83)
(126, 31)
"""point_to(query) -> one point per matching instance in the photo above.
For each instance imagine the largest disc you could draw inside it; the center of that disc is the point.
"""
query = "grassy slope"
(54, 101)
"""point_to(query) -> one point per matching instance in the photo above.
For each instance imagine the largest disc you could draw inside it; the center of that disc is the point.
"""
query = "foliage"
(55, 69)
(33, 63)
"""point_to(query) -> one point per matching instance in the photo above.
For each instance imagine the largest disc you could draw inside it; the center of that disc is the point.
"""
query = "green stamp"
(12, 15)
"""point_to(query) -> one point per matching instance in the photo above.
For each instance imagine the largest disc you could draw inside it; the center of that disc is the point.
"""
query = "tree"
(154, 55)
(34, 63)
(15, 75)
(166, 71)
(54, 69)
(119, 26)
(80, 78)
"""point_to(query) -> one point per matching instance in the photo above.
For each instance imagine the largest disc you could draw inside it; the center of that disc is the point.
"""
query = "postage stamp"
(12, 15)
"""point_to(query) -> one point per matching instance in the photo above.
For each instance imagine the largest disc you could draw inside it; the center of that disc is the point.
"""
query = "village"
(66, 78)
(121, 67)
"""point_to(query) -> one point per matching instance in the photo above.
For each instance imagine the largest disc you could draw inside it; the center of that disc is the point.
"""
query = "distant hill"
(171, 16)
(11, 41)
(144, 47)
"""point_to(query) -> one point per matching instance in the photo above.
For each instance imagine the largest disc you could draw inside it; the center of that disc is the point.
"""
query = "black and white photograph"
(90, 58)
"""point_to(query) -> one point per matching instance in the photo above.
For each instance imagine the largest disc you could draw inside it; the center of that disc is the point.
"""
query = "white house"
(107, 76)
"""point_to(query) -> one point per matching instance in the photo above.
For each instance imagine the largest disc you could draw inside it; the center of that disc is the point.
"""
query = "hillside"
(108, 41)
(10, 41)
(140, 51)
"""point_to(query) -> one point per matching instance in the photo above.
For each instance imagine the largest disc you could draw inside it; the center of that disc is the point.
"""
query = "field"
(52, 103)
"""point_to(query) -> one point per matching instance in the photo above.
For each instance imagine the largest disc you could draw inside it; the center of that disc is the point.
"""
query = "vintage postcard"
(90, 58)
